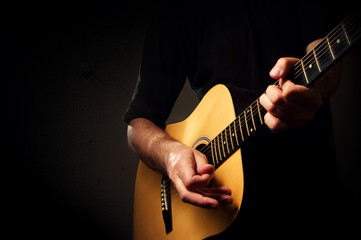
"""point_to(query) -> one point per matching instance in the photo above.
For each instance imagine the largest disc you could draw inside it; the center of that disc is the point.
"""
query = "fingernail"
(214, 206)
(227, 200)
(275, 72)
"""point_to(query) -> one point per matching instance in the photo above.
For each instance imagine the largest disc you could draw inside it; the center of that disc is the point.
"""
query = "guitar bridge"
(166, 203)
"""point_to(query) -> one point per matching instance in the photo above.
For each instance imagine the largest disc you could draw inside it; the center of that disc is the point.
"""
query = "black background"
(70, 71)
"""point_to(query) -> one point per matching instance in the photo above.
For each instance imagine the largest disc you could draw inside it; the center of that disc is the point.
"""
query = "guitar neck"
(329, 51)
(305, 72)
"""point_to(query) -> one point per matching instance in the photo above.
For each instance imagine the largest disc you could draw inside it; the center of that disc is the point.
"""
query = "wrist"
(169, 155)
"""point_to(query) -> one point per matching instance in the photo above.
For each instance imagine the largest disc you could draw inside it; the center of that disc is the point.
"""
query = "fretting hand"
(288, 105)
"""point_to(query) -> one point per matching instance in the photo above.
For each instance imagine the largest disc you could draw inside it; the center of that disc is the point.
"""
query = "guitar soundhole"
(201, 142)
(200, 147)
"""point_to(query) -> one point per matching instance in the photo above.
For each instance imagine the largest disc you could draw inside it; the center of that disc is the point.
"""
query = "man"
(290, 166)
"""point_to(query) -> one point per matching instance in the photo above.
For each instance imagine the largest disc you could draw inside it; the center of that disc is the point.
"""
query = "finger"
(274, 104)
(216, 190)
(301, 95)
(312, 45)
(195, 198)
(266, 102)
(293, 103)
(268, 105)
(275, 96)
(282, 120)
(199, 181)
(274, 123)
(188, 167)
(206, 169)
(283, 67)
(192, 180)
(280, 106)
(277, 124)
(202, 165)
(221, 194)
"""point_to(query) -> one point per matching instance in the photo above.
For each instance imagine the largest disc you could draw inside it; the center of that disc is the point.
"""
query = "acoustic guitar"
(214, 130)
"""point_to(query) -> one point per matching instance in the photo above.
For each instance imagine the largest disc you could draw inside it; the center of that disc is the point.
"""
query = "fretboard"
(235, 134)
(331, 49)
(305, 72)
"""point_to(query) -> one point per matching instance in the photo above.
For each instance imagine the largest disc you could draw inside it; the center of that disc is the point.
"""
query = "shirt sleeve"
(162, 72)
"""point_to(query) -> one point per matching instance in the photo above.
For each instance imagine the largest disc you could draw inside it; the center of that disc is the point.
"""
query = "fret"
(229, 140)
(324, 56)
(344, 31)
(219, 149)
(310, 67)
(259, 112)
(215, 151)
(329, 46)
(352, 27)
(224, 153)
(338, 42)
(225, 140)
(298, 75)
(235, 132)
(304, 72)
(231, 135)
(245, 120)
(214, 164)
(240, 127)
(314, 54)
(254, 125)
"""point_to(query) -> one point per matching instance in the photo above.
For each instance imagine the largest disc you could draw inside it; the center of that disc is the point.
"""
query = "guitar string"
(206, 149)
(239, 122)
(308, 59)
(348, 22)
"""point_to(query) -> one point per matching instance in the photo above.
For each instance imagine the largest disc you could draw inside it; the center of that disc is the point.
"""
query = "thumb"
(206, 169)
(202, 165)
(283, 67)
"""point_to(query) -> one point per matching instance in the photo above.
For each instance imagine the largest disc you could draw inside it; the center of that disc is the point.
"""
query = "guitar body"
(214, 119)
(211, 116)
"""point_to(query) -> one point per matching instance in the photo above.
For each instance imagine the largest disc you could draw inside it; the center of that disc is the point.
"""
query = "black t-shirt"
(211, 42)
(289, 175)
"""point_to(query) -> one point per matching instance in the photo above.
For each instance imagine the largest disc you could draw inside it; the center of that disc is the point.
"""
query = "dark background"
(70, 73)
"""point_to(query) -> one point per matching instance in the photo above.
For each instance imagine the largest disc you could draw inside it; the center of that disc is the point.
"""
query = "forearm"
(151, 143)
